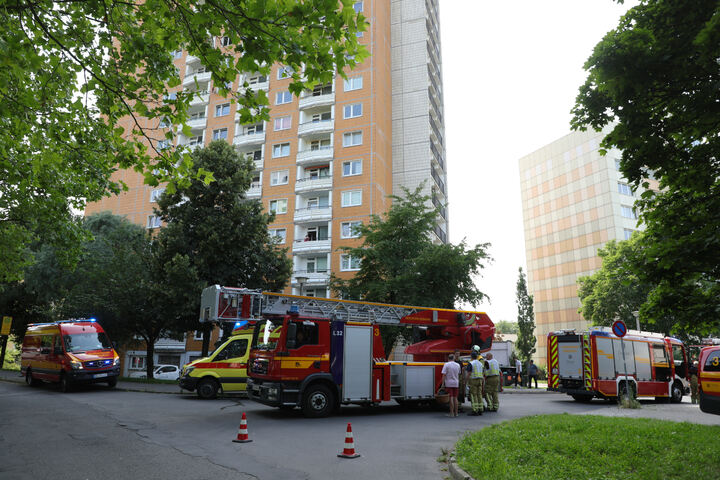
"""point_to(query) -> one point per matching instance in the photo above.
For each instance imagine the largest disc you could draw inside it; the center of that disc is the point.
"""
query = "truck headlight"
(116, 362)
(76, 365)
(187, 370)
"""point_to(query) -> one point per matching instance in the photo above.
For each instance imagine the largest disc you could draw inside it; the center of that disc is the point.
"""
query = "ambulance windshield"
(82, 342)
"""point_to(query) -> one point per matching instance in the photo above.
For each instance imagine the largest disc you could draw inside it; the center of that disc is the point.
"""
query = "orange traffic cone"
(349, 451)
(242, 436)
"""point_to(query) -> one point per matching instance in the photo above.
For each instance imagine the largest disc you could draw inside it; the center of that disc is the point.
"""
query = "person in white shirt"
(518, 371)
(451, 380)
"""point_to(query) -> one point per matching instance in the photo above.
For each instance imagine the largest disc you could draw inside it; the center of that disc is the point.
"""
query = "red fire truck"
(329, 352)
(591, 364)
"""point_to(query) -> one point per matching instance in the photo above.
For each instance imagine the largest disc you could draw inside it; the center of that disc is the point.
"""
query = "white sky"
(511, 71)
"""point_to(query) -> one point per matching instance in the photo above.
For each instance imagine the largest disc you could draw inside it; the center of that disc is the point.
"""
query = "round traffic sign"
(619, 328)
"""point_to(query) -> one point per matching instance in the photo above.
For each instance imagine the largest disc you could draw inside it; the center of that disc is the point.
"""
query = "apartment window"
(348, 262)
(278, 206)
(163, 144)
(317, 172)
(624, 189)
(359, 34)
(351, 198)
(225, 41)
(254, 155)
(279, 177)
(627, 212)
(353, 167)
(353, 111)
(316, 265)
(322, 90)
(198, 140)
(220, 134)
(255, 79)
(176, 54)
(278, 235)
(138, 363)
(352, 139)
(255, 182)
(197, 116)
(198, 335)
(156, 194)
(253, 129)
(627, 232)
(353, 83)
(170, 96)
(154, 221)
(319, 144)
(281, 150)
(321, 117)
(283, 123)
(350, 229)
(358, 6)
(284, 72)
(222, 110)
(283, 97)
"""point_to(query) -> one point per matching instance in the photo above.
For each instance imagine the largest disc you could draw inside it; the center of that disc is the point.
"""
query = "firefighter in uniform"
(475, 373)
(492, 383)
(693, 370)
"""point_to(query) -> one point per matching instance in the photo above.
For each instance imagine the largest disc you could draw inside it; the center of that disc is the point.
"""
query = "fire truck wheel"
(30, 380)
(677, 392)
(583, 398)
(207, 389)
(623, 390)
(318, 401)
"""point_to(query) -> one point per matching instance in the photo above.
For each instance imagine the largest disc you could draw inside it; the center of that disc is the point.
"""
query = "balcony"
(195, 123)
(200, 99)
(309, 155)
(319, 126)
(255, 190)
(314, 278)
(313, 214)
(246, 139)
(255, 87)
(311, 246)
(201, 78)
(313, 183)
(312, 101)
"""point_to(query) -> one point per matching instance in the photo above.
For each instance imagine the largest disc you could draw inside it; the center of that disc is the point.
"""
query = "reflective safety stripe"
(477, 369)
(494, 367)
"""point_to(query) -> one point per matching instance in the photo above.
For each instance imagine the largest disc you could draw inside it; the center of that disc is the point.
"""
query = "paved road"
(95, 432)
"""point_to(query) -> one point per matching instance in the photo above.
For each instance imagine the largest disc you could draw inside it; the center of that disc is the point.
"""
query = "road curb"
(456, 472)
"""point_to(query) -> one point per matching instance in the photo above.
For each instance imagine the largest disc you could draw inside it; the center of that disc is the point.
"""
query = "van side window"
(660, 356)
(235, 349)
(712, 364)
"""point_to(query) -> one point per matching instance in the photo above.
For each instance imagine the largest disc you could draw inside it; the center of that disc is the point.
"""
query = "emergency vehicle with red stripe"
(321, 353)
(591, 364)
(709, 379)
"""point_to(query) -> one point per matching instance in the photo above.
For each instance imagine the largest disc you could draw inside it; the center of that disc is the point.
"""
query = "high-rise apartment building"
(574, 201)
(328, 160)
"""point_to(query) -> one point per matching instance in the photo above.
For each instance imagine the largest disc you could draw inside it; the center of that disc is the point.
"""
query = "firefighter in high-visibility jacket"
(492, 383)
(475, 379)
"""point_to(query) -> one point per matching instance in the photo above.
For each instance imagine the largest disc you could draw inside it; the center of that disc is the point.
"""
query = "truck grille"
(98, 363)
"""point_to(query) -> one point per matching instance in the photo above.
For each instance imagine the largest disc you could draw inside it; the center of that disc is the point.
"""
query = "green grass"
(591, 447)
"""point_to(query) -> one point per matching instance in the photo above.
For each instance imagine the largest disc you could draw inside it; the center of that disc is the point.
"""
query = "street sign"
(5, 329)
(619, 328)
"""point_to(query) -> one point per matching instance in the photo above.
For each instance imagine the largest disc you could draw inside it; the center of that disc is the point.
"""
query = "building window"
(359, 34)
(628, 212)
(278, 235)
(624, 189)
(137, 363)
(352, 139)
(353, 111)
(316, 265)
(255, 79)
(156, 194)
(350, 229)
(253, 129)
(353, 83)
(353, 167)
(283, 97)
(358, 6)
(284, 72)
(198, 140)
(222, 110)
(351, 198)
(321, 117)
(177, 54)
(281, 150)
(348, 263)
(198, 335)
(220, 134)
(278, 206)
(283, 123)
(617, 164)
(225, 41)
(154, 221)
(319, 144)
(279, 177)
(627, 232)
(163, 144)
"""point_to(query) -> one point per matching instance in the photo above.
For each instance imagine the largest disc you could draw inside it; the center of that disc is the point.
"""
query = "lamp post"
(301, 281)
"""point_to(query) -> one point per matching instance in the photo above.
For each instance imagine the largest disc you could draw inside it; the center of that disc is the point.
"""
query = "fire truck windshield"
(266, 335)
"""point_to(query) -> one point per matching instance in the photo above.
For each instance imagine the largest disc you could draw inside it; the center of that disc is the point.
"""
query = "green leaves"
(526, 319)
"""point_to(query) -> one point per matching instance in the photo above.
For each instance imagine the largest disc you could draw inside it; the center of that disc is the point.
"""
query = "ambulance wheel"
(207, 389)
(65, 384)
(676, 392)
(30, 380)
(318, 401)
(112, 382)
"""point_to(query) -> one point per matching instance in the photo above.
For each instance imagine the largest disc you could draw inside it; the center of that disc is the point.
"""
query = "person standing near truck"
(451, 380)
(462, 382)
(492, 383)
(475, 378)
(693, 371)
(532, 374)
(518, 371)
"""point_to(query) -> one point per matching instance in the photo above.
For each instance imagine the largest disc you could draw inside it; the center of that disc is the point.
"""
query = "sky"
(511, 72)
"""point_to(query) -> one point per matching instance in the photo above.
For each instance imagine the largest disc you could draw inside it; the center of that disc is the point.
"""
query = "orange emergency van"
(709, 379)
(68, 352)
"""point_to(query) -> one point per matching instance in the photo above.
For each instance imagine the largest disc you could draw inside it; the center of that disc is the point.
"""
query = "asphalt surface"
(95, 432)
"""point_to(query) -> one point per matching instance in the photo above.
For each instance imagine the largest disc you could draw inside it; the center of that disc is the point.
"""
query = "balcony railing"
(255, 190)
(190, 78)
(201, 98)
(311, 101)
(313, 214)
(438, 180)
(314, 183)
(318, 276)
(321, 245)
(198, 122)
(314, 154)
(249, 138)
(437, 156)
(316, 126)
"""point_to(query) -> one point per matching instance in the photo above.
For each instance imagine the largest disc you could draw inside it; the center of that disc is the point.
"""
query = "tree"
(400, 264)
(219, 233)
(525, 345)
(503, 326)
(81, 77)
(653, 80)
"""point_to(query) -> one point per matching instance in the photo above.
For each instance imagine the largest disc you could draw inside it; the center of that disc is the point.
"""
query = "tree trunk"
(150, 358)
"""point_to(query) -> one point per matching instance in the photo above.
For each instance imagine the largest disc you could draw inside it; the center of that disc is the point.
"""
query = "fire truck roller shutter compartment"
(357, 363)
(415, 381)
(570, 356)
(605, 358)
(629, 363)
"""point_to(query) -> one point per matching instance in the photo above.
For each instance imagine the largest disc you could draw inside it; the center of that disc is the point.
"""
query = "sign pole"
(620, 329)
(5, 332)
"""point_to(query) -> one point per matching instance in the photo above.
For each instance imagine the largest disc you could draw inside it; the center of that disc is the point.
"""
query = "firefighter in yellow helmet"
(492, 383)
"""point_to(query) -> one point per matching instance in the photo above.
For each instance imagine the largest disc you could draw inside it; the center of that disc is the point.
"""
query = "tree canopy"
(525, 345)
(400, 264)
(71, 70)
(654, 80)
